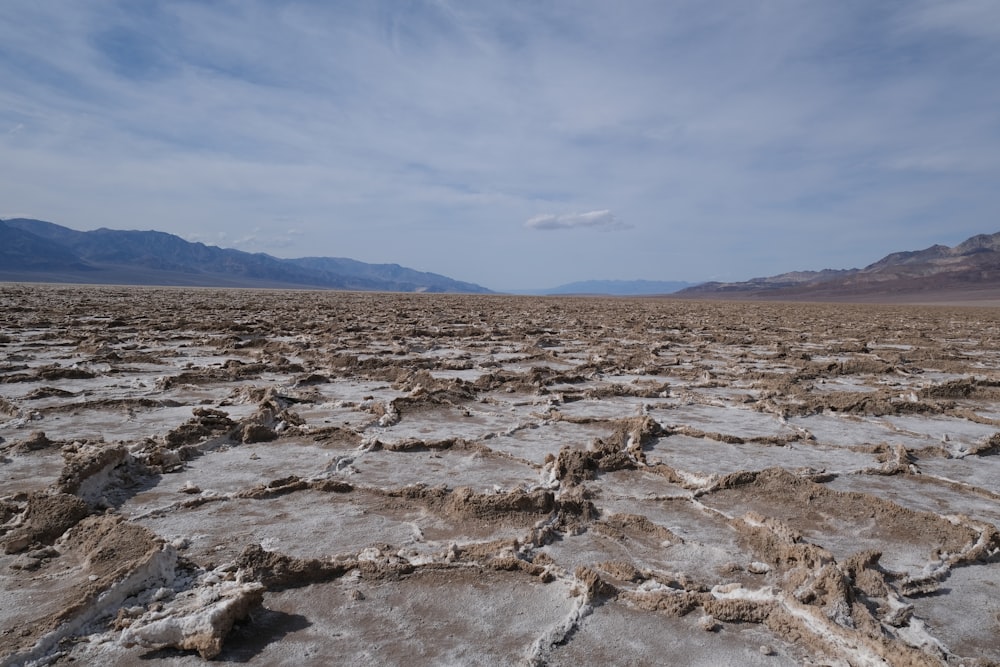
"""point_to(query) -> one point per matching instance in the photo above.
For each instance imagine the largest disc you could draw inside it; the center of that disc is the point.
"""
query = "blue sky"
(512, 144)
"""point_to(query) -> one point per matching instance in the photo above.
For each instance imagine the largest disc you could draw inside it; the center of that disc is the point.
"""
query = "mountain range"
(613, 288)
(39, 251)
(969, 270)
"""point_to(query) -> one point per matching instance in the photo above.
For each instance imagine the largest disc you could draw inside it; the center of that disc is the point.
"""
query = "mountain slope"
(46, 252)
(972, 266)
(21, 250)
(616, 287)
(415, 280)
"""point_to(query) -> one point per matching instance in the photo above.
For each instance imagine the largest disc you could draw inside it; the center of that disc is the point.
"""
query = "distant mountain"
(615, 288)
(39, 251)
(24, 251)
(408, 280)
(970, 268)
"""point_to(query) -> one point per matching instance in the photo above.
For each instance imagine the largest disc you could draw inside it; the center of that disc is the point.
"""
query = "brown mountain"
(968, 272)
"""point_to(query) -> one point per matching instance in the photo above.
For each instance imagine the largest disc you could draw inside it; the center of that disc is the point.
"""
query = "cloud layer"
(604, 220)
(736, 139)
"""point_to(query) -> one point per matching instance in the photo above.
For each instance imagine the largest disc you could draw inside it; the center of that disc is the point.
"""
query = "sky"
(516, 144)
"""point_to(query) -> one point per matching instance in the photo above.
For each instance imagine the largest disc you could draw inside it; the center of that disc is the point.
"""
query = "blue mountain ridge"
(40, 251)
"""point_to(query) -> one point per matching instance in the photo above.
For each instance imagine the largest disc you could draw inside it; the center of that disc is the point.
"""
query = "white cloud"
(604, 220)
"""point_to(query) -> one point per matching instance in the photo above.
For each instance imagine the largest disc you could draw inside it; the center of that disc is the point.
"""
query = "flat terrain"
(314, 478)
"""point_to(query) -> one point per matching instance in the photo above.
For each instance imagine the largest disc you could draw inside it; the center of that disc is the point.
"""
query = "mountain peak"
(979, 243)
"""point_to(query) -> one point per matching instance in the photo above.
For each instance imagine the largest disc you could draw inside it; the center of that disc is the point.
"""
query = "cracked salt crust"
(462, 471)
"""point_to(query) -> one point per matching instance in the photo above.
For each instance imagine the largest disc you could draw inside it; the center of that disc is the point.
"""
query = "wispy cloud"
(976, 18)
(604, 220)
(262, 238)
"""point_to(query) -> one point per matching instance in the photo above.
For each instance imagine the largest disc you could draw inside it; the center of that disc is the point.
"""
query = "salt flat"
(309, 478)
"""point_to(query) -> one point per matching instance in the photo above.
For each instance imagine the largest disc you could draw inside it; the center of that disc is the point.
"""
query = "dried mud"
(296, 478)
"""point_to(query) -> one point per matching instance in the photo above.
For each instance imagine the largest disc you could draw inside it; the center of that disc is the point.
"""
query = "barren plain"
(313, 478)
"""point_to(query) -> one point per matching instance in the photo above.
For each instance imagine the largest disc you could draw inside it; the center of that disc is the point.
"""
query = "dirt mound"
(45, 518)
(8, 408)
(47, 392)
(112, 545)
(277, 571)
(63, 373)
(272, 417)
(621, 526)
(35, 441)
(865, 403)
(794, 499)
(623, 449)
(89, 468)
(206, 423)
(464, 504)
(110, 560)
(963, 388)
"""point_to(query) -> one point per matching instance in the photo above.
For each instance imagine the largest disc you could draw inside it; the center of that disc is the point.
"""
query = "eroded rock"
(195, 620)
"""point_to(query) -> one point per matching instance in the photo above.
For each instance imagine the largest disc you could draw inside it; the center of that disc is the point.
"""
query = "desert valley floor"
(314, 478)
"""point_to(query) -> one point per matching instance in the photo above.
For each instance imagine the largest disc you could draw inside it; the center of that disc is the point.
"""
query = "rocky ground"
(312, 478)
